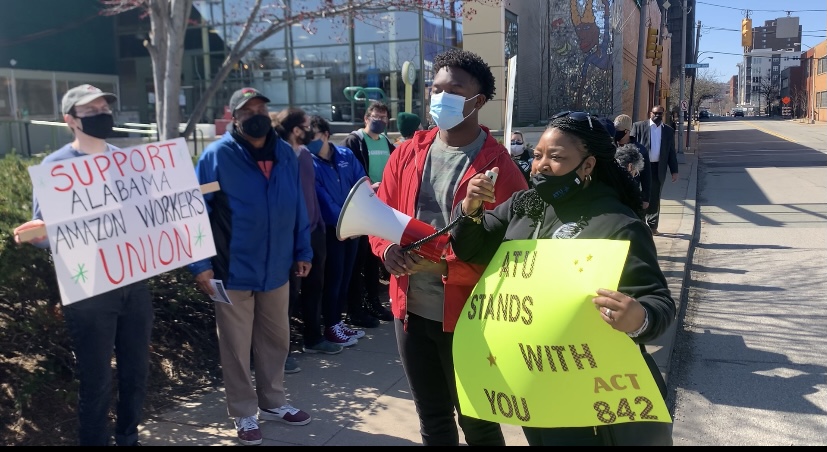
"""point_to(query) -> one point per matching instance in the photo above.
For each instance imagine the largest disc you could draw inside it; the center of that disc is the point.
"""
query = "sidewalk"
(361, 397)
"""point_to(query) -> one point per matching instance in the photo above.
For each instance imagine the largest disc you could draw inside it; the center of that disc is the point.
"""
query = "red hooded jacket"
(400, 190)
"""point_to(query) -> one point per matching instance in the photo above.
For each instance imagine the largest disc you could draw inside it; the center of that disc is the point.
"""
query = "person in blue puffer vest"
(337, 171)
(260, 228)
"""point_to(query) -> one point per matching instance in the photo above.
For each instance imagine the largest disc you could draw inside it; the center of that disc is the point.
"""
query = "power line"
(735, 29)
(788, 11)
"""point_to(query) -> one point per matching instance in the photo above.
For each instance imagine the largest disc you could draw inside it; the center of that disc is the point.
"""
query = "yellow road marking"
(770, 132)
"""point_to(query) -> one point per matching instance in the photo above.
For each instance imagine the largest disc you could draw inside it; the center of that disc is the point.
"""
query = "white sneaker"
(248, 432)
(350, 332)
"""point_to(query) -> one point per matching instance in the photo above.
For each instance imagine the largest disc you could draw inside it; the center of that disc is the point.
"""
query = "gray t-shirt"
(444, 168)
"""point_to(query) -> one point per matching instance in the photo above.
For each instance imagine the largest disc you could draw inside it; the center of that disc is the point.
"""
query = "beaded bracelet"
(642, 327)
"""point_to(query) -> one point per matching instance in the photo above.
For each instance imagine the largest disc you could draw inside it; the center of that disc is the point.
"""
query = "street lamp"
(13, 88)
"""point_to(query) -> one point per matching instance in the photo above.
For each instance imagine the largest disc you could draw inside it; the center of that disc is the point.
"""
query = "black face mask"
(98, 126)
(307, 138)
(256, 126)
(657, 119)
(557, 189)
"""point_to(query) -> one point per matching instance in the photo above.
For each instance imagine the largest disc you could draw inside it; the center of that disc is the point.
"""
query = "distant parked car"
(703, 114)
(738, 113)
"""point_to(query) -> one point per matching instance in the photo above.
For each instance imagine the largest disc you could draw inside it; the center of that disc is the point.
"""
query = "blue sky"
(721, 27)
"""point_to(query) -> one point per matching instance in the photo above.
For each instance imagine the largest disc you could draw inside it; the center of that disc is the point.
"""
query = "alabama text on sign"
(122, 216)
(530, 348)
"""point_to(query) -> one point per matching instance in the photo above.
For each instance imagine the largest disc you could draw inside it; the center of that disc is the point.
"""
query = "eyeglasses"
(378, 118)
(518, 142)
(576, 115)
(85, 113)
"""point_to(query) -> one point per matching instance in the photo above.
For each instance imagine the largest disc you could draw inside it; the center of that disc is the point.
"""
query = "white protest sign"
(122, 216)
(509, 100)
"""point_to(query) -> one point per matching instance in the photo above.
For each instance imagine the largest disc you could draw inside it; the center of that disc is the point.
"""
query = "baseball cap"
(623, 122)
(244, 95)
(82, 95)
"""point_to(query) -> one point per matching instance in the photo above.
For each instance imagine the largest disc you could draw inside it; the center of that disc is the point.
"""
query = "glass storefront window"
(432, 27)
(5, 96)
(387, 26)
(34, 98)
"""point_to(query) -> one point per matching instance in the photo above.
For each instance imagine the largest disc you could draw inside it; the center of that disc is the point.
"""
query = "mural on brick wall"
(577, 56)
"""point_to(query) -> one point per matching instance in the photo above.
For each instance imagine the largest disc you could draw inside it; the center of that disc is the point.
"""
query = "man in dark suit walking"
(659, 139)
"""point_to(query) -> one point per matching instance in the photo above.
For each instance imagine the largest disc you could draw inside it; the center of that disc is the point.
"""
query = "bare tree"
(264, 18)
(798, 100)
(706, 87)
(768, 90)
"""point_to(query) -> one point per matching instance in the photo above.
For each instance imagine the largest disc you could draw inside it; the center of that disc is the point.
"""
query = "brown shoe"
(655, 232)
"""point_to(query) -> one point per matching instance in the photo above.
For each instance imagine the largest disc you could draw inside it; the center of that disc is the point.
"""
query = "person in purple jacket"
(293, 126)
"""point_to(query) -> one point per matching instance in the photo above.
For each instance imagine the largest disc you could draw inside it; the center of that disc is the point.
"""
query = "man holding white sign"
(119, 319)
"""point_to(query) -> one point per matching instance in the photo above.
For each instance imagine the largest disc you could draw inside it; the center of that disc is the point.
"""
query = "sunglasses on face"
(517, 142)
(576, 115)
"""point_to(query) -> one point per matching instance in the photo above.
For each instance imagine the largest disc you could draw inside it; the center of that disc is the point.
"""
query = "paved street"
(749, 365)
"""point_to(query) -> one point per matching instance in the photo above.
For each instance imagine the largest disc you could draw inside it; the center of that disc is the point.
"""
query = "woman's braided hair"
(598, 143)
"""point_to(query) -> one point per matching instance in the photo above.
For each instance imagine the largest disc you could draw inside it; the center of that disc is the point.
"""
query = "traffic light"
(746, 32)
(651, 41)
(656, 59)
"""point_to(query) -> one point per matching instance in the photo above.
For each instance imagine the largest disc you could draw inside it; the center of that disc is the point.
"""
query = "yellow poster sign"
(530, 348)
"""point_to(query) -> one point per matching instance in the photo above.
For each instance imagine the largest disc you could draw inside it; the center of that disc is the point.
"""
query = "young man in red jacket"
(426, 177)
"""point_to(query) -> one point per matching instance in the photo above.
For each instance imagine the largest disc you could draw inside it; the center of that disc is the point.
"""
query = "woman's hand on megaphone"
(480, 190)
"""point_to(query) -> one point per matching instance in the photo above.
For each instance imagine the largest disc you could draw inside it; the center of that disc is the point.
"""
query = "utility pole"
(641, 45)
(692, 86)
(659, 67)
(681, 96)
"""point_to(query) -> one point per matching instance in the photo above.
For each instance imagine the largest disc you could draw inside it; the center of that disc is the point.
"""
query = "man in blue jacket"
(260, 228)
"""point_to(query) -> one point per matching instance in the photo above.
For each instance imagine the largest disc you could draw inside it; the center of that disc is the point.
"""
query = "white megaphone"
(365, 214)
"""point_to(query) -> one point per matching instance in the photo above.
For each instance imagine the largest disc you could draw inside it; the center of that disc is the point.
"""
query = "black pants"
(306, 293)
(339, 265)
(567, 436)
(427, 358)
(364, 281)
(653, 211)
(121, 321)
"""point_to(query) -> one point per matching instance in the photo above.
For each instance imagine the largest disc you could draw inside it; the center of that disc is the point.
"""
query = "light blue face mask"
(446, 110)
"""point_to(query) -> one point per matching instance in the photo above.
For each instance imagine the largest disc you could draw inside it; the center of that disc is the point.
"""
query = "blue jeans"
(428, 360)
(119, 320)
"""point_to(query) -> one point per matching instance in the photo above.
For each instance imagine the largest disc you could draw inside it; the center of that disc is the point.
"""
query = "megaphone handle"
(418, 244)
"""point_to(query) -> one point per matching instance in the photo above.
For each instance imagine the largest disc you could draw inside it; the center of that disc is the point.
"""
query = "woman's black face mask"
(555, 190)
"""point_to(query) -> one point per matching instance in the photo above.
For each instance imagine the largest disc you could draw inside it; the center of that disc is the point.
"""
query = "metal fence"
(33, 137)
